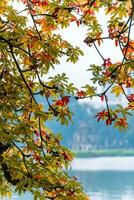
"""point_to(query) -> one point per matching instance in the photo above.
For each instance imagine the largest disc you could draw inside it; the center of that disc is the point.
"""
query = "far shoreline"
(104, 153)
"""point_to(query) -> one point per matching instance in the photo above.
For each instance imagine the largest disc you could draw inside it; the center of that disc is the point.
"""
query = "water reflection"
(107, 185)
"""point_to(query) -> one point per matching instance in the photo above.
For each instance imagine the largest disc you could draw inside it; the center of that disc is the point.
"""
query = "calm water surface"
(103, 178)
(106, 178)
(107, 185)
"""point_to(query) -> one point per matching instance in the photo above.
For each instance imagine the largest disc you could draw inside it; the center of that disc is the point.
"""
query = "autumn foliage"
(31, 155)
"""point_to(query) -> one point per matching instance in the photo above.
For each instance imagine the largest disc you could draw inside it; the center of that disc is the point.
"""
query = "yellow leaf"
(26, 61)
(117, 90)
(6, 194)
(128, 5)
(9, 195)
(131, 105)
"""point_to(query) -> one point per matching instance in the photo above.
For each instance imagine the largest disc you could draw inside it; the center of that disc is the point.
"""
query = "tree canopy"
(31, 155)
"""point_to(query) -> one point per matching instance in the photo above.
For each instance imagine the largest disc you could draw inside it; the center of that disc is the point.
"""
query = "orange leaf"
(73, 18)
(81, 94)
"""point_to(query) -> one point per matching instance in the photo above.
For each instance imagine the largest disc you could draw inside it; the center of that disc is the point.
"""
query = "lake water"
(107, 185)
(109, 178)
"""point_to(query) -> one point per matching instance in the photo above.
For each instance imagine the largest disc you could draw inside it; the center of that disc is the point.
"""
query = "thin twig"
(32, 16)
(23, 78)
(98, 51)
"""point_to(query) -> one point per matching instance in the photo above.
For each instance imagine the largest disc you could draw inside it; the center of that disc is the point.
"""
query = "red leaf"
(131, 97)
(102, 98)
(59, 103)
(65, 99)
(108, 122)
(36, 157)
(116, 42)
(62, 102)
(43, 132)
(107, 62)
(100, 115)
(78, 23)
(78, 10)
(33, 12)
(95, 5)
(99, 42)
(90, 12)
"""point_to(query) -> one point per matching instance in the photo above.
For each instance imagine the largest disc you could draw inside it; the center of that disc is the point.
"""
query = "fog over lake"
(104, 163)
